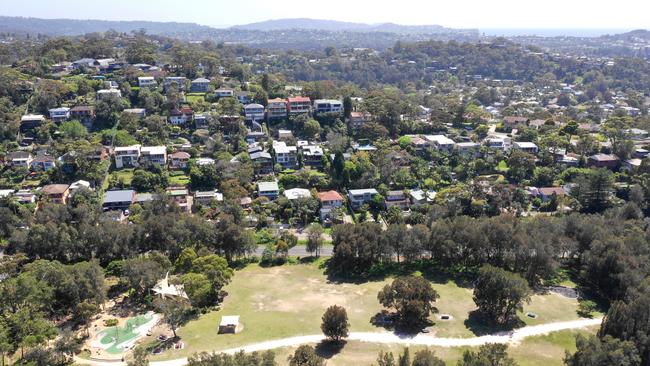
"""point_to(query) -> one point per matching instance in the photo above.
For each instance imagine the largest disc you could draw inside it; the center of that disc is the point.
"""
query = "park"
(288, 301)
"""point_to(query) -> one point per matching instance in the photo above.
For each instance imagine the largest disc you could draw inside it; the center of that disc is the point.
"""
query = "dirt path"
(512, 337)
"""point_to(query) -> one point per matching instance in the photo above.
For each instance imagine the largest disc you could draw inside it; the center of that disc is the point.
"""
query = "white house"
(527, 147)
(147, 82)
(328, 106)
(127, 156)
(287, 156)
(61, 114)
(154, 154)
(223, 93)
(105, 94)
(359, 197)
(254, 112)
(440, 142)
(295, 193)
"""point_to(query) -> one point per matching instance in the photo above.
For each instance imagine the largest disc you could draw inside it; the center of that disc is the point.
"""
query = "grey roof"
(260, 155)
(119, 196)
(201, 80)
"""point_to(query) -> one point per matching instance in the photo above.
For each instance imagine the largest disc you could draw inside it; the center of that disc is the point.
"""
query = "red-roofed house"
(330, 200)
(298, 105)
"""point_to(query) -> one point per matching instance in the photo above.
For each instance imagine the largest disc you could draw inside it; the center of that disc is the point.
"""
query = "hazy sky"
(451, 13)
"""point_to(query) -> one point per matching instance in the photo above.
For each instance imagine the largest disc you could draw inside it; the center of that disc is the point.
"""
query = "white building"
(440, 142)
(147, 82)
(61, 114)
(527, 147)
(328, 106)
(359, 197)
(296, 193)
(254, 112)
(154, 154)
(105, 94)
(276, 109)
(287, 156)
(269, 190)
(127, 156)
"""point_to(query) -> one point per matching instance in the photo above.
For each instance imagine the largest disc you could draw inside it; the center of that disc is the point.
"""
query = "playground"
(114, 341)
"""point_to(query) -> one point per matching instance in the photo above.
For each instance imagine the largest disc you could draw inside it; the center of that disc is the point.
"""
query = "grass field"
(287, 301)
(125, 174)
(548, 350)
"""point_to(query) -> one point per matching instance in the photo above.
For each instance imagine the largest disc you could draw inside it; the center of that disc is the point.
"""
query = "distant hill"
(74, 27)
(306, 33)
(337, 26)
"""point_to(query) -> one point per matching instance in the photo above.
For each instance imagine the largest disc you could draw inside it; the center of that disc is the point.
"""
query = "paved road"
(300, 251)
(511, 337)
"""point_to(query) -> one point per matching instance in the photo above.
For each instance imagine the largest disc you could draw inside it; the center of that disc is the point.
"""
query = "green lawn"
(125, 174)
(545, 350)
(179, 180)
(192, 98)
(288, 301)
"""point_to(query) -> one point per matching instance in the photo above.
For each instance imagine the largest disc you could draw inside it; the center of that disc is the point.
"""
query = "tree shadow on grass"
(429, 269)
(480, 326)
(328, 349)
(390, 322)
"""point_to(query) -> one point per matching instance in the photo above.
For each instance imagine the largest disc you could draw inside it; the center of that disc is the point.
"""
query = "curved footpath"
(511, 337)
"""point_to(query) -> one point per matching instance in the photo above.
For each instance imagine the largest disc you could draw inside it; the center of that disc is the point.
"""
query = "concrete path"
(511, 337)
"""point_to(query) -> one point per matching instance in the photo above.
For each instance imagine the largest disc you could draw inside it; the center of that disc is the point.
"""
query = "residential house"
(298, 105)
(269, 190)
(181, 116)
(359, 197)
(285, 134)
(254, 112)
(262, 162)
(631, 164)
(56, 193)
(359, 119)
(25, 196)
(396, 199)
(201, 121)
(154, 155)
(527, 147)
(205, 198)
(83, 113)
(424, 113)
(147, 82)
(547, 193)
(328, 106)
(19, 159)
(179, 81)
(108, 94)
(75, 186)
(181, 196)
(604, 161)
(420, 197)
(636, 133)
(468, 149)
(223, 93)
(243, 97)
(200, 85)
(296, 193)
(118, 200)
(276, 109)
(59, 115)
(287, 156)
(30, 122)
(312, 156)
(141, 113)
(179, 160)
(330, 200)
(496, 143)
(440, 143)
(127, 156)
(43, 163)
(83, 63)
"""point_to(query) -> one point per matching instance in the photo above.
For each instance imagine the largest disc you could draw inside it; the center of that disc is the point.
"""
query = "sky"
(483, 14)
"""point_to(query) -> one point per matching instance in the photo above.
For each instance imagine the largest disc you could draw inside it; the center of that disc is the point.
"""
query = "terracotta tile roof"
(330, 196)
